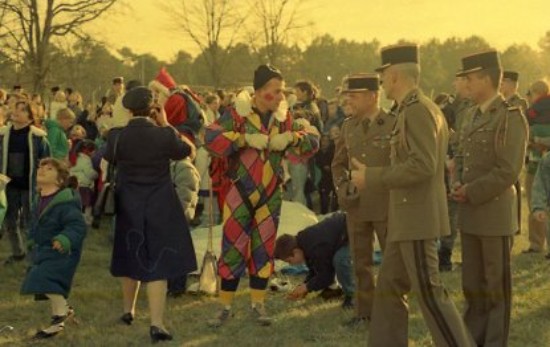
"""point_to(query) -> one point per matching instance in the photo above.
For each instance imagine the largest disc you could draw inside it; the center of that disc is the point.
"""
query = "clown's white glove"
(281, 141)
(258, 141)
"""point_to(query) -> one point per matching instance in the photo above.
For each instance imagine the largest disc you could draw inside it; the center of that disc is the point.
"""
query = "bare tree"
(276, 20)
(28, 27)
(211, 25)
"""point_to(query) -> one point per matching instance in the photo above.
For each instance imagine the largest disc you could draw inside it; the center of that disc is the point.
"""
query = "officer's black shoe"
(445, 263)
(329, 293)
(356, 322)
(347, 304)
(445, 267)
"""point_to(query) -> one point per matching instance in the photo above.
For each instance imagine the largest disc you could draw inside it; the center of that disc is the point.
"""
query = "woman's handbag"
(105, 203)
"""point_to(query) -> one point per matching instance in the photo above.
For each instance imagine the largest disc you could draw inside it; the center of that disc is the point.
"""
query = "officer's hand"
(459, 193)
(358, 174)
(540, 216)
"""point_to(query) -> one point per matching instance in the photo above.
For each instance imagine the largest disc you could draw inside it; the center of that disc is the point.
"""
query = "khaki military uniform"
(539, 229)
(460, 109)
(417, 217)
(494, 141)
(367, 210)
(518, 101)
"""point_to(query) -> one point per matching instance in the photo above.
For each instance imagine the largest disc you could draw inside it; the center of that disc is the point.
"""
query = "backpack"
(193, 119)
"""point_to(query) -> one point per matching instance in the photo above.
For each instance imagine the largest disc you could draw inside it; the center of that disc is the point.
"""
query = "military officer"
(458, 108)
(493, 142)
(417, 210)
(365, 136)
(509, 89)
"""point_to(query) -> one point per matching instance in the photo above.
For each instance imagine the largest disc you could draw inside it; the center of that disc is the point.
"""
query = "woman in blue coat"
(152, 240)
(56, 235)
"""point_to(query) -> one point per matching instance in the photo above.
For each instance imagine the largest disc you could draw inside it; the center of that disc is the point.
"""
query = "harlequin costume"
(253, 203)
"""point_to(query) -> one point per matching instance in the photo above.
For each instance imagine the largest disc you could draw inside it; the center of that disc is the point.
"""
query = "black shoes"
(57, 325)
(445, 262)
(329, 293)
(530, 251)
(348, 303)
(356, 322)
(157, 334)
(127, 318)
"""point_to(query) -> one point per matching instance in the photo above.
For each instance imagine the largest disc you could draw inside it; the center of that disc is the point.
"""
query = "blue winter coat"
(51, 271)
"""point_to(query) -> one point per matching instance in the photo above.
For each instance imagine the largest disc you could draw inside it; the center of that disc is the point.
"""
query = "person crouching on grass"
(55, 237)
(324, 248)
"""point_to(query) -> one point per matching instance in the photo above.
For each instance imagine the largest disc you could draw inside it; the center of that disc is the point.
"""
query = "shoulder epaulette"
(413, 99)
(390, 112)
(513, 108)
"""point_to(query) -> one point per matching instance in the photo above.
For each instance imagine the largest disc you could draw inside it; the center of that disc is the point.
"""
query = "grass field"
(97, 299)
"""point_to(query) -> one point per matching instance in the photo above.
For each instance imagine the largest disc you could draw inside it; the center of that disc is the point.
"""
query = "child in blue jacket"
(56, 236)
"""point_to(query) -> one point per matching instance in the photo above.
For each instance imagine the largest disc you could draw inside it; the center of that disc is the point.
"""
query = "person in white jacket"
(59, 102)
(84, 172)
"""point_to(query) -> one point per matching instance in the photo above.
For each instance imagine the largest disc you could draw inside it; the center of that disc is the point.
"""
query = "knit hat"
(263, 74)
(163, 83)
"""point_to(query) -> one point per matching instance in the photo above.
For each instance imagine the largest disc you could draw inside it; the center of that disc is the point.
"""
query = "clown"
(255, 136)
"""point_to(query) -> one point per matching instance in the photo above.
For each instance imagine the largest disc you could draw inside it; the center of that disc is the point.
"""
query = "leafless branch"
(27, 27)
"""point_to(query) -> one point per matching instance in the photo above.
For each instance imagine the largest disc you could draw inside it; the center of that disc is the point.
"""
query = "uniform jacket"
(368, 142)
(415, 178)
(493, 153)
(51, 271)
(460, 110)
(519, 102)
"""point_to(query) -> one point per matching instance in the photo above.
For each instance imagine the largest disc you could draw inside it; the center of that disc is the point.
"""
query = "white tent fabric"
(294, 217)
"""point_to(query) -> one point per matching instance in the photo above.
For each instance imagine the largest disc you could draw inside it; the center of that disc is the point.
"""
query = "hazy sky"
(147, 28)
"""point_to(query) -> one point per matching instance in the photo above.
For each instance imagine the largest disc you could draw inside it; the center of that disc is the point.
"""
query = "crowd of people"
(410, 177)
